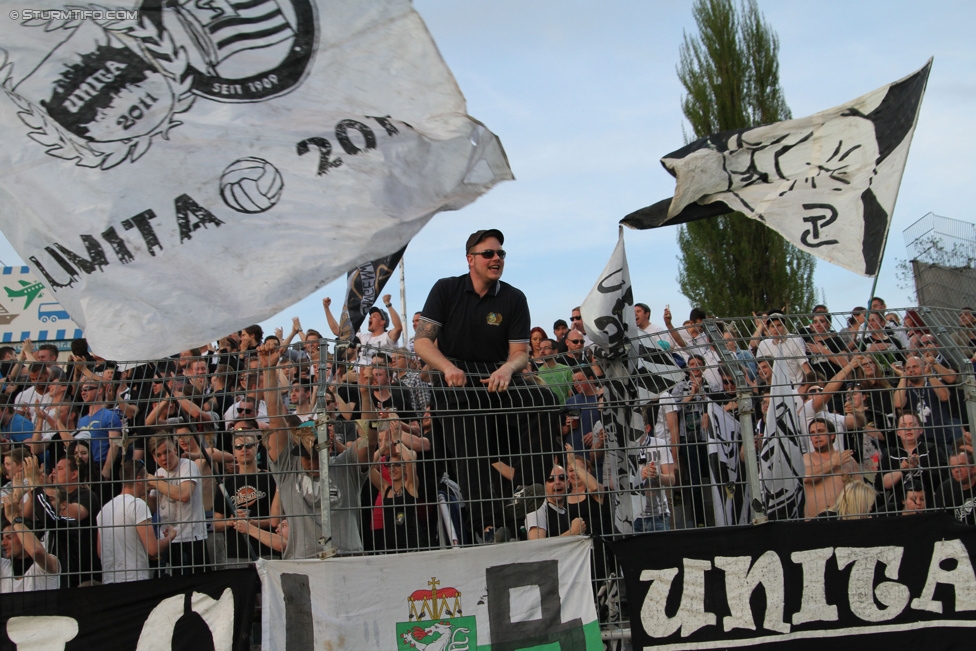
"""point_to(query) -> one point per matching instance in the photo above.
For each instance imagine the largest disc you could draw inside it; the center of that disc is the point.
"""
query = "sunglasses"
(88, 388)
(488, 254)
(244, 446)
(243, 410)
(552, 478)
(575, 341)
(575, 318)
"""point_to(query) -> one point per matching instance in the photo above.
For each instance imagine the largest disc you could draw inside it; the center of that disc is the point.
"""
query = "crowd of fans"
(125, 471)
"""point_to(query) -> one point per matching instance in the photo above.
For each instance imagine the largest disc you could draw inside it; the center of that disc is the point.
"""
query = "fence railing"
(216, 458)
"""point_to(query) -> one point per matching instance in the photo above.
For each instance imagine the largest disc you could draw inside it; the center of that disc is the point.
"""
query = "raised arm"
(37, 443)
(35, 548)
(276, 440)
(114, 450)
(296, 327)
(758, 333)
(671, 329)
(836, 384)
(394, 318)
(574, 462)
(13, 508)
(366, 427)
(333, 324)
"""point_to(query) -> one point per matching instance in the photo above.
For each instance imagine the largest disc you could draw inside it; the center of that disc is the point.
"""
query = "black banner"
(206, 611)
(364, 284)
(902, 581)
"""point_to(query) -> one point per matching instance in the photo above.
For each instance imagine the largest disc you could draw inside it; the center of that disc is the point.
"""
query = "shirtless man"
(825, 469)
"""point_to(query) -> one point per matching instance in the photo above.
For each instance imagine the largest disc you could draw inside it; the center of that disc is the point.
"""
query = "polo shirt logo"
(494, 319)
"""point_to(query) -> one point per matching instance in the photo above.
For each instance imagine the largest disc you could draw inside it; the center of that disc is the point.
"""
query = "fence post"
(325, 448)
(743, 393)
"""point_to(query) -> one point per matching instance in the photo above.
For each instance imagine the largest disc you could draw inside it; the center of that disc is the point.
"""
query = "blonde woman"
(856, 501)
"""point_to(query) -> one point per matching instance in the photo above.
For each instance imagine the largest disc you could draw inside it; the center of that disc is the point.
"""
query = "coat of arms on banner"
(436, 622)
(119, 79)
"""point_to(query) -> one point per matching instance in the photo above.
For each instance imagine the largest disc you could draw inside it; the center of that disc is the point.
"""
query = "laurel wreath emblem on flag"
(127, 80)
(125, 87)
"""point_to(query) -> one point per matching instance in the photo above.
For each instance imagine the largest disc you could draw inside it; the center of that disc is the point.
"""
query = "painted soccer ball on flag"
(251, 185)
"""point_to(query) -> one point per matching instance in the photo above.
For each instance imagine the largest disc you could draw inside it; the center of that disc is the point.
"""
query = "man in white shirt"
(177, 490)
(660, 333)
(35, 392)
(655, 466)
(376, 336)
(781, 346)
(126, 538)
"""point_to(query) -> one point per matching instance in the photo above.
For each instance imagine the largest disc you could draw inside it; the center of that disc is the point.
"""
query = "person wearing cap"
(376, 336)
(474, 333)
(559, 331)
(780, 345)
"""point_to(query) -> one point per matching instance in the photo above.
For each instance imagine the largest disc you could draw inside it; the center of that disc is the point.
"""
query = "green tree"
(732, 265)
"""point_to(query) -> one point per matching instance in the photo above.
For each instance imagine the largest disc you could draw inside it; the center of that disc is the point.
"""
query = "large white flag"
(827, 182)
(182, 169)
(531, 594)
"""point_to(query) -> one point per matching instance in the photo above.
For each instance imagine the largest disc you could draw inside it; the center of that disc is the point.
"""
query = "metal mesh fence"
(215, 458)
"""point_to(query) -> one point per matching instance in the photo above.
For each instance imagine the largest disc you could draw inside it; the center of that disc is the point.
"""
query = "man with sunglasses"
(251, 491)
(248, 406)
(552, 518)
(474, 331)
(576, 321)
(575, 355)
(99, 422)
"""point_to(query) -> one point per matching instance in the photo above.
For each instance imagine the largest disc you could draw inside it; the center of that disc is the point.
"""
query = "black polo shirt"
(477, 328)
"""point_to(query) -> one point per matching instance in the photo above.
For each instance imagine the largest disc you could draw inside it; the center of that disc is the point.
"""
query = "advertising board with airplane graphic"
(29, 310)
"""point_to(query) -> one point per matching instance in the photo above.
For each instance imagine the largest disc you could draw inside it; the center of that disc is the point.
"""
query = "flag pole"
(403, 304)
(874, 287)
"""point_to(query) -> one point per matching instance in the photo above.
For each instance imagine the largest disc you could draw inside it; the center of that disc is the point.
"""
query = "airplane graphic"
(28, 290)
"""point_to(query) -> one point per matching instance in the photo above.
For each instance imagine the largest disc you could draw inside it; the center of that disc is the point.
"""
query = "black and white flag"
(633, 376)
(177, 170)
(780, 457)
(363, 287)
(827, 182)
(728, 478)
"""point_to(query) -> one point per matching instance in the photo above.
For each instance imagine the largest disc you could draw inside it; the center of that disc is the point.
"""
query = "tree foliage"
(732, 265)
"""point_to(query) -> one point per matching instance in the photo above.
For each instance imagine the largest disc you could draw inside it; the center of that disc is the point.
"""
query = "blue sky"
(585, 99)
